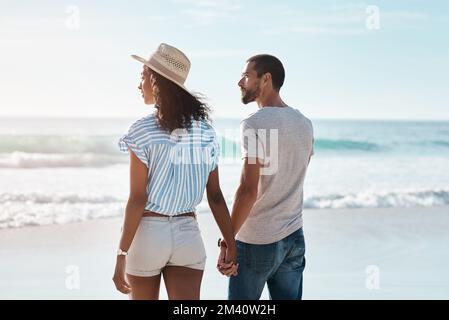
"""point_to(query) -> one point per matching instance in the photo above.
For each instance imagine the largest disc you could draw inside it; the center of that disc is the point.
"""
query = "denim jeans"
(279, 264)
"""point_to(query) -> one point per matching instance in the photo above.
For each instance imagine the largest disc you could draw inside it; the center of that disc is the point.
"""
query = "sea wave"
(441, 143)
(48, 160)
(228, 145)
(405, 198)
(37, 209)
(55, 144)
(56, 198)
(28, 151)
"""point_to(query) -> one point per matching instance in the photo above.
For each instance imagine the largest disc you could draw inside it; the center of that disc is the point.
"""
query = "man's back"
(277, 211)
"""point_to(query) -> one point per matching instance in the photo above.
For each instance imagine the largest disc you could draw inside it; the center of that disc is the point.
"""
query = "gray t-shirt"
(282, 139)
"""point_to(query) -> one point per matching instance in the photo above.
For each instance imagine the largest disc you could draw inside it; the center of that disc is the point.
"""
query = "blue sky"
(53, 64)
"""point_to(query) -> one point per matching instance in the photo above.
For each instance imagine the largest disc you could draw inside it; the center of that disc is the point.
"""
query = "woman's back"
(178, 163)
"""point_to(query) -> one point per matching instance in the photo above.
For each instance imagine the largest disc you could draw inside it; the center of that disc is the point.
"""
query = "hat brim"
(155, 69)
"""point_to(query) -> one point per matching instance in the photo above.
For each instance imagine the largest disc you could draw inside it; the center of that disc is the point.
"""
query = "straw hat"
(169, 62)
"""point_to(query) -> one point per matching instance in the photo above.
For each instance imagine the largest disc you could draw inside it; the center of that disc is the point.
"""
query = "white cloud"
(206, 12)
(316, 30)
(22, 24)
(403, 20)
(203, 17)
(228, 5)
(343, 20)
(404, 16)
(219, 53)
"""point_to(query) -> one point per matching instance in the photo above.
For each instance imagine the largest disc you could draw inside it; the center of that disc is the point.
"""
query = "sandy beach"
(394, 253)
(364, 85)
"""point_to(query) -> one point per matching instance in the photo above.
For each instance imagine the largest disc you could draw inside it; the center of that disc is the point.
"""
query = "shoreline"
(346, 251)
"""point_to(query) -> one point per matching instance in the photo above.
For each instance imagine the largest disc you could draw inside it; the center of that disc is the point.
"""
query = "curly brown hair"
(177, 108)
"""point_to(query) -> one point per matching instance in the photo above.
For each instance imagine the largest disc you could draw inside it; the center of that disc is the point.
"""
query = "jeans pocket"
(295, 259)
(260, 258)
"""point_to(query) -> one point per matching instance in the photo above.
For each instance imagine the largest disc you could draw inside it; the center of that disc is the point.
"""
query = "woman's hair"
(176, 107)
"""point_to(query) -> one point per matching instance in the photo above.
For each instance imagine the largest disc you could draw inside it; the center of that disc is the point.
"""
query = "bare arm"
(136, 201)
(244, 200)
(246, 194)
(133, 213)
(219, 208)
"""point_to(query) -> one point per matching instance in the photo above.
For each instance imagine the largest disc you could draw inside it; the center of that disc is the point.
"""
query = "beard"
(250, 95)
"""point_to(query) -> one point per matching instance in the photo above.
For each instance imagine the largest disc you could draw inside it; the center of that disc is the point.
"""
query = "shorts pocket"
(191, 225)
(151, 224)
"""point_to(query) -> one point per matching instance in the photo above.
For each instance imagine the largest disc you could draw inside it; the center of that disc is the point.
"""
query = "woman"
(173, 159)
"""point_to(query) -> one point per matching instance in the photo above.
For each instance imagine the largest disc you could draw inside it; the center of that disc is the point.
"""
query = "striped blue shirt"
(178, 163)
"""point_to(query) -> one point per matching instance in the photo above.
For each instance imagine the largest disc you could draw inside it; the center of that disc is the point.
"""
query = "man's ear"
(267, 78)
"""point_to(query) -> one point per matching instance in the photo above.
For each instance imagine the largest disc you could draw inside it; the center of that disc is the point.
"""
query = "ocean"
(65, 170)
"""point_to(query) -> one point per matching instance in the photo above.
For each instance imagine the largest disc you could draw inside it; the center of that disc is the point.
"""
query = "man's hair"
(265, 63)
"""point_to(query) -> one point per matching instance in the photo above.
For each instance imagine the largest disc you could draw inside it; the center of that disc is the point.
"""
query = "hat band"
(165, 71)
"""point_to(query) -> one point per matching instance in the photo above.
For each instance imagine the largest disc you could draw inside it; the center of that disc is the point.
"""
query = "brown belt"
(155, 214)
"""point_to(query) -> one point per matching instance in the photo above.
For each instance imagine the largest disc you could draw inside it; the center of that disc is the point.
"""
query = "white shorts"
(165, 241)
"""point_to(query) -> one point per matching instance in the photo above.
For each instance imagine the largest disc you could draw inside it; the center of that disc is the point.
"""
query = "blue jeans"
(279, 264)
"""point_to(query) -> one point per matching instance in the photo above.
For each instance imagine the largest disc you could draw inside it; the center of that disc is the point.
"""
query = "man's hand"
(119, 276)
(226, 260)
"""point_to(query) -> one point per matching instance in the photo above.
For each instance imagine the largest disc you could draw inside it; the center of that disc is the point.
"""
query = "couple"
(174, 157)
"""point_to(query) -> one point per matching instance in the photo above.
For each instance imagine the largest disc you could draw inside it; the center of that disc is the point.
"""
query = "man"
(277, 143)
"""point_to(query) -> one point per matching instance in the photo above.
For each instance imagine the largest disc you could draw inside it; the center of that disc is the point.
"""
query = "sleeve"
(130, 140)
(215, 152)
(313, 139)
(251, 144)
(313, 148)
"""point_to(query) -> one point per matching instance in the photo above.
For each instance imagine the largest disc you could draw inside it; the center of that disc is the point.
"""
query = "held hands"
(119, 276)
(226, 260)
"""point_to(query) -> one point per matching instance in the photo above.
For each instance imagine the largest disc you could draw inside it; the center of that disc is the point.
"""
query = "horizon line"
(215, 118)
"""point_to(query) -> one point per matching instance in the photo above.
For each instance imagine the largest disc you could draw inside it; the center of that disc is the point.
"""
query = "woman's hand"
(119, 276)
(227, 259)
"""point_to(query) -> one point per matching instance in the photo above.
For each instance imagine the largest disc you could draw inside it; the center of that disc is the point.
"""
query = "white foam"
(56, 198)
(49, 160)
(25, 209)
(18, 210)
(398, 198)
(37, 209)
